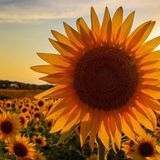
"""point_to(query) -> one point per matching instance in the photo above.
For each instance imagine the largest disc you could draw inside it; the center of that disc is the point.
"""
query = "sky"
(25, 26)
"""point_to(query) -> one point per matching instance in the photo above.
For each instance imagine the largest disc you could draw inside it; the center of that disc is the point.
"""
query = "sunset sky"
(25, 28)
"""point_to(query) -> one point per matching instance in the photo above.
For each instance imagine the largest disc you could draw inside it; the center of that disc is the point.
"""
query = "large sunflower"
(105, 78)
(145, 148)
(21, 148)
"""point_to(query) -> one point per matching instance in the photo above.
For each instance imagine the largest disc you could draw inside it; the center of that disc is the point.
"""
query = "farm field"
(18, 93)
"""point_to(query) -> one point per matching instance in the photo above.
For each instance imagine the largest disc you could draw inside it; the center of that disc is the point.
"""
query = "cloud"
(35, 10)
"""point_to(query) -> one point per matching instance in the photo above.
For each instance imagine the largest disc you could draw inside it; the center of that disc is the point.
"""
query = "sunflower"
(36, 109)
(145, 148)
(23, 120)
(127, 148)
(37, 115)
(39, 156)
(32, 107)
(105, 78)
(24, 109)
(28, 116)
(19, 106)
(27, 100)
(21, 148)
(41, 103)
(49, 124)
(39, 140)
(9, 125)
(8, 105)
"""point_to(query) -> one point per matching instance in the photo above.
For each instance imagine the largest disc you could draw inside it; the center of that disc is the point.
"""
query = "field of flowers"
(26, 134)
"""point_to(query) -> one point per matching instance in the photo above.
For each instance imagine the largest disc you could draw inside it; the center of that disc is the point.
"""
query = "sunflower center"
(38, 141)
(20, 150)
(37, 115)
(24, 110)
(22, 120)
(146, 149)
(6, 127)
(40, 103)
(106, 78)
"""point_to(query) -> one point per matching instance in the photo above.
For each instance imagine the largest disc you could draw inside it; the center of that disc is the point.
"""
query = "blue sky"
(33, 10)
(25, 28)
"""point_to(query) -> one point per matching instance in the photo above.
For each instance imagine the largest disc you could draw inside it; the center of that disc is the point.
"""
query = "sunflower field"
(26, 134)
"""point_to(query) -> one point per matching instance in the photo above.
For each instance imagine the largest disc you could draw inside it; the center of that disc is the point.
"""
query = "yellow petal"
(72, 120)
(57, 78)
(84, 131)
(154, 75)
(150, 103)
(61, 93)
(86, 38)
(150, 69)
(85, 32)
(95, 119)
(143, 119)
(117, 21)
(139, 35)
(153, 93)
(154, 82)
(56, 114)
(126, 27)
(95, 23)
(147, 111)
(118, 131)
(59, 108)
(106, 27)
(47, 69)
(109, 130)
(81, 23)
(118, 120)
(137, 127)
(149, 64)
(149, 56)
(58, 105)
(103, 135)
(50, 91)
(158, 148)
(61, 38)
(112, 124)
(74, 36)
(64, 50)
(118, 136)
(59, 124)
(53, 59)
(126, 128)
(147, 47)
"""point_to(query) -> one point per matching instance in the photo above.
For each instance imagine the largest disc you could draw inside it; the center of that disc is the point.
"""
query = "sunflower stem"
(101, 150)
